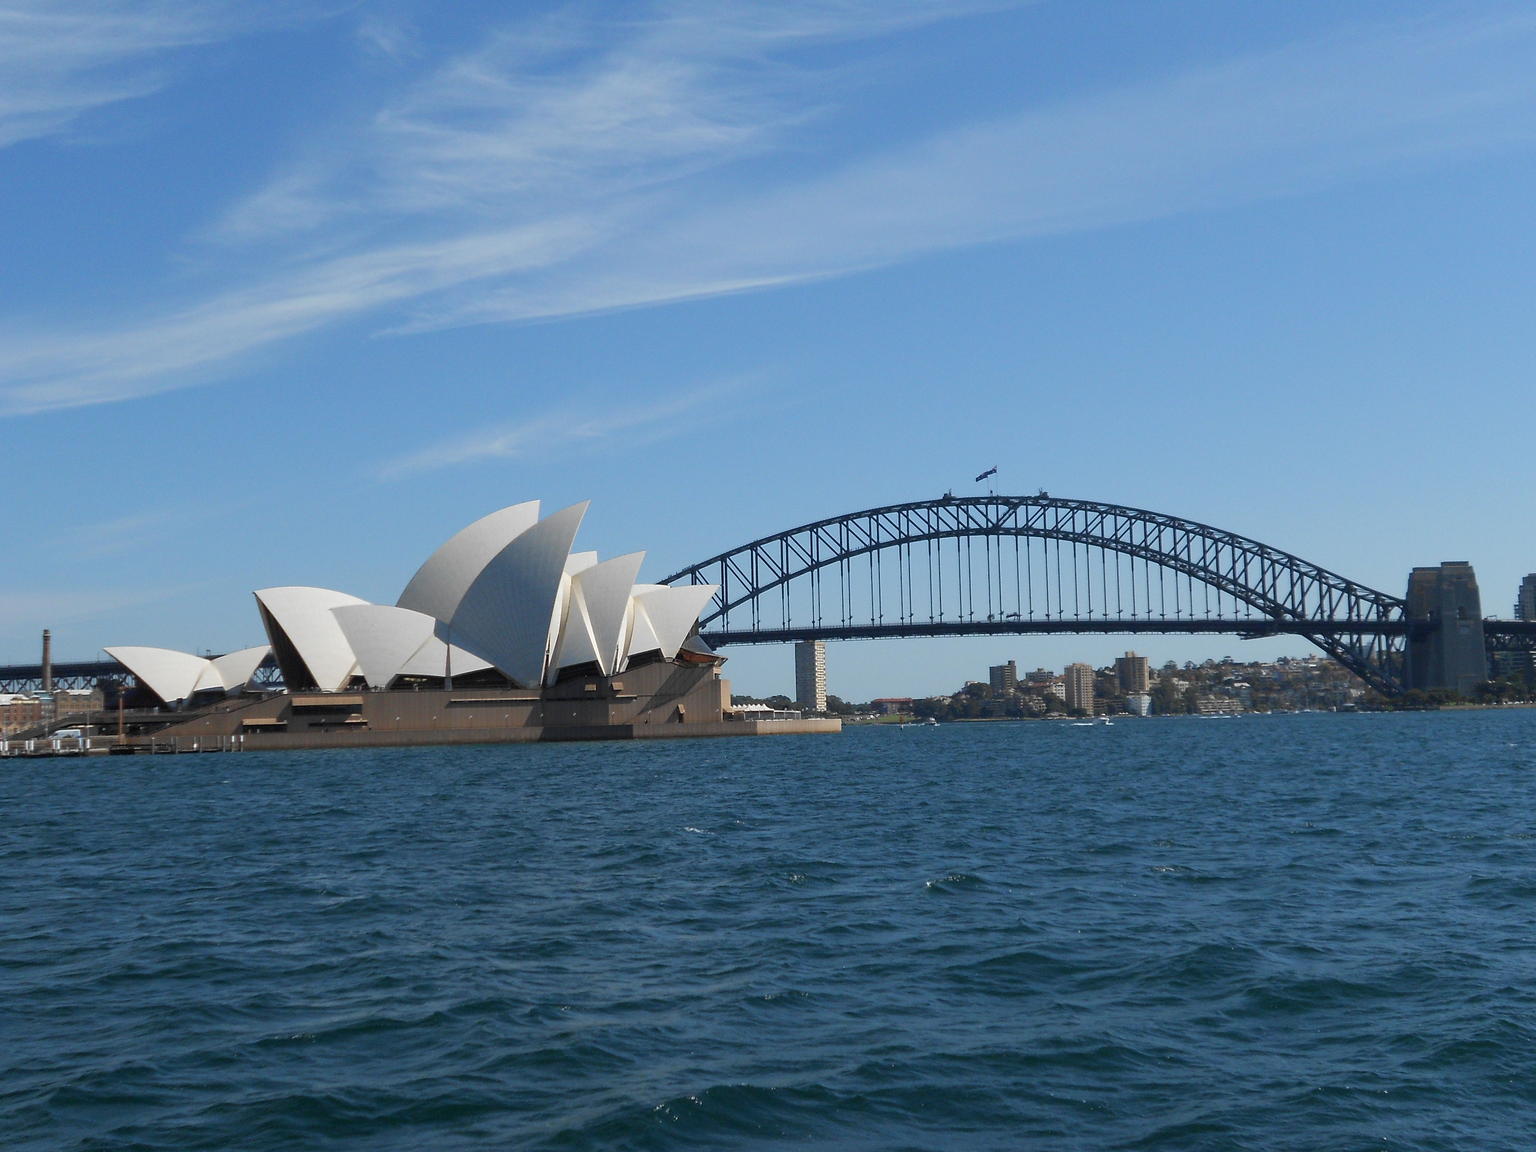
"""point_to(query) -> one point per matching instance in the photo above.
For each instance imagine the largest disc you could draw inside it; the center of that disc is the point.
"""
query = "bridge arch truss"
(990, 565)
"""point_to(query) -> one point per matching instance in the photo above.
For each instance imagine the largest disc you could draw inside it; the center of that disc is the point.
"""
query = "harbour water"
(1288, 932)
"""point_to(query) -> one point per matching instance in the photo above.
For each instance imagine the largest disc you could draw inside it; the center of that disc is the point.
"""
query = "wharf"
(276, 741)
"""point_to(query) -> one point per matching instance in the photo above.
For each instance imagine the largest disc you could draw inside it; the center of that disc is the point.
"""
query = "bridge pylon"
(1446, 646)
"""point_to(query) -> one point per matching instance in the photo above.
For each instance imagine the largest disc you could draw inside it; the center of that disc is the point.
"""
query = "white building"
(506, 597)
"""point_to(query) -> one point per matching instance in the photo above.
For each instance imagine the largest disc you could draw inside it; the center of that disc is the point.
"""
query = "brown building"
(18, 712)
(1004, 677)
(1133, 674)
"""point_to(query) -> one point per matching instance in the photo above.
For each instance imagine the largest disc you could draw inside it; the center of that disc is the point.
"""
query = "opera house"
(503, 634)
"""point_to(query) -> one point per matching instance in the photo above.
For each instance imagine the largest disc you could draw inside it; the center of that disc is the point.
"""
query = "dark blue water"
(1309, 932)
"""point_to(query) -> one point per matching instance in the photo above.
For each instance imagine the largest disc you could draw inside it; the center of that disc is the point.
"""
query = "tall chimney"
(47, 661)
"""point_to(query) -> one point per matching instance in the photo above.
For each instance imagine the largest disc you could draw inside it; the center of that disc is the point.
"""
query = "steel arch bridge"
(991, 565)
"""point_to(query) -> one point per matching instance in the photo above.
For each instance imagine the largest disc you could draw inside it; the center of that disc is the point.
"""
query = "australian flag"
(989, 472)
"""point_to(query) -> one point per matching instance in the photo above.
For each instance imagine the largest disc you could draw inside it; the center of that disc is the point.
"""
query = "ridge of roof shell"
(510, 611)
(438, 587)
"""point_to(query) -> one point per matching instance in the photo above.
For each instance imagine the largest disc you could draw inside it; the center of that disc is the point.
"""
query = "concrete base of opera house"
(661, 700)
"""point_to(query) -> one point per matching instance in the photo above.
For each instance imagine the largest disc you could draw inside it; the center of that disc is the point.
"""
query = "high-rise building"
(1079, 679)
(1004, 677)
(811, 674)
(1133, 674)
(1525, 600)
(1521, 665)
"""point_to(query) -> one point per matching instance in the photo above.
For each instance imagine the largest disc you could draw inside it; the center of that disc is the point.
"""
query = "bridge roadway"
(1247, 629)
(1509, 635)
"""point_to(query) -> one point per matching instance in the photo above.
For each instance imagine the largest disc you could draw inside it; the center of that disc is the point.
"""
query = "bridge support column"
(1450, 653)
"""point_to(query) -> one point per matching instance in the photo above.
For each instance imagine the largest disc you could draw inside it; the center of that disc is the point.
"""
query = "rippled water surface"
(1307, 932)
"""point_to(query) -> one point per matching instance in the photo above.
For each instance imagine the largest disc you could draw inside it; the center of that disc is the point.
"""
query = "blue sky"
(292, 292)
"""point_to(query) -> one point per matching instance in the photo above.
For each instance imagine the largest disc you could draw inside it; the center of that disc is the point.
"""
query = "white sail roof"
(439, 584)
(383, 638)
(696, 644)
(235, 669)
(210, 680)
(605, 594)
(173, 675)
(576, 645)
(642, 637)
(507, 615)
(672, 612)
(169, 674)
(434, 659)
(390, 642)
(303, 617)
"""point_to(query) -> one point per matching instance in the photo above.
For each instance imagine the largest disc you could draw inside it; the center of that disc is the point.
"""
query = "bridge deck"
(1248, 629)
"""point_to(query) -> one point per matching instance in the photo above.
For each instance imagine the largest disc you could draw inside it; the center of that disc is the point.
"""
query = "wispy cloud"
(62, 58)
(569, 111)
(26, 611)
(557, 432)
(564, 168)
(389, 35)
(121, 534)
(1260, 127)
(55, 371)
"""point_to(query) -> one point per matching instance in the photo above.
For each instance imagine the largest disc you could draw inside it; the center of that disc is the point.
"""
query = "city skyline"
(1262, 268)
